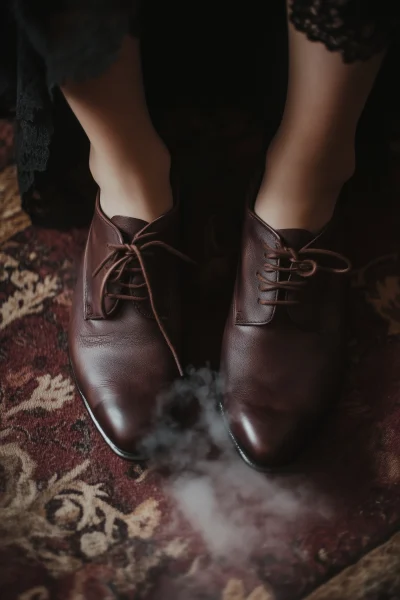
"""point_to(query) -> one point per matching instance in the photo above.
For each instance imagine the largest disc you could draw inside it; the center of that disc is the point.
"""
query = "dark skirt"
(43, 44)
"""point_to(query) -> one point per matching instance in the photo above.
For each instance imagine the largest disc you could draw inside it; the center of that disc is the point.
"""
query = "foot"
(283, 348)
(124, 333)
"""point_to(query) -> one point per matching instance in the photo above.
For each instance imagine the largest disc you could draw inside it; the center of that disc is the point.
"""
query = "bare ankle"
(329, 159)
(135, 186)
(104, 162)
(302, 184)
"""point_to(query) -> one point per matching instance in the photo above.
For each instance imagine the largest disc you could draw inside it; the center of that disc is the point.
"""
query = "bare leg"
(312, 154)
(128, 160)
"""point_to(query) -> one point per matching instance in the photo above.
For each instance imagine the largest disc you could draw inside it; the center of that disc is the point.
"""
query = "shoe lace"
(129, 258)
(302, 262)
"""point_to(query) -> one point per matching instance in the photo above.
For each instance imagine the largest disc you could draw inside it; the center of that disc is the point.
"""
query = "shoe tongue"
(128, 226)
(296, 238)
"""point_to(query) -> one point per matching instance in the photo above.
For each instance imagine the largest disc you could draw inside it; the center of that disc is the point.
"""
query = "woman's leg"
(125, 320)
(312, 154)
(128, 160)
(283, 352)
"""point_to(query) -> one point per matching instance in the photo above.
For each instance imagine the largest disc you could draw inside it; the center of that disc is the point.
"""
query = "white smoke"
(235, 509)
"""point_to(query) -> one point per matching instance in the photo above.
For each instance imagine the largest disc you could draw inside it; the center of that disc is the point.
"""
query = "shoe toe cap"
(123, 429)
(266, 438)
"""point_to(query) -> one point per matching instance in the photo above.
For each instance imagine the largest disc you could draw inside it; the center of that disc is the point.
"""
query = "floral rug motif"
(12, 218)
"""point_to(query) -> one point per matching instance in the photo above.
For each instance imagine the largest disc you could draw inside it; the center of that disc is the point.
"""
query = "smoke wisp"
(236, 510)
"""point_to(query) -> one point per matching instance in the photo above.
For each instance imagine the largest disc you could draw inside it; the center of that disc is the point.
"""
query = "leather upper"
(122, 353)
(283, 347)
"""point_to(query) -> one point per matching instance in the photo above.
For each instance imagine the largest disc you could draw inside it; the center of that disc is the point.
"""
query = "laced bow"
(302, 262)
(123, 258)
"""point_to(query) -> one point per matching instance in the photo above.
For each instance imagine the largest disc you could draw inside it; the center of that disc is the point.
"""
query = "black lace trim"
(357, 29)
(89, 35)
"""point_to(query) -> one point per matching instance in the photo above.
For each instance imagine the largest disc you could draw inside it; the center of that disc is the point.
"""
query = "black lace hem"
(77, 41)
(358, 29)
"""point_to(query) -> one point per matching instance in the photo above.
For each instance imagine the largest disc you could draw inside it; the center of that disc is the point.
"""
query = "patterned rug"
(195, 523)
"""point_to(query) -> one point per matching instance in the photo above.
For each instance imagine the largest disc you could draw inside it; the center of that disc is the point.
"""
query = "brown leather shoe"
(124, 332)
(283, 348)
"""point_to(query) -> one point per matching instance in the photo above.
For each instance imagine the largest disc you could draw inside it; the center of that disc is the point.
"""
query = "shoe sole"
(285, 469)
(121, 453)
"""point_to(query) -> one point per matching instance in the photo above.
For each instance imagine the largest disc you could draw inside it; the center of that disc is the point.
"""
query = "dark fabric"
(49, 42)
(68, 39)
